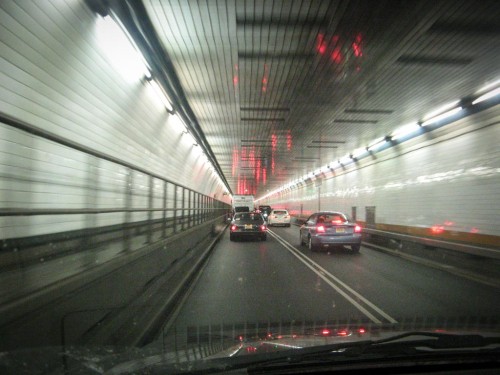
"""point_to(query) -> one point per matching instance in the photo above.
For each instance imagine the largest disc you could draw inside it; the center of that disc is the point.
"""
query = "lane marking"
(330, 279)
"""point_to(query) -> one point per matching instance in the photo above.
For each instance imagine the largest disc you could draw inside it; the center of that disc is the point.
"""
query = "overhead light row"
(126, 57)
(121, 50)
(401, 134)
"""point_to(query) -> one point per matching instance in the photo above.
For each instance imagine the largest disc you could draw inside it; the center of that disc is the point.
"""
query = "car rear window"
(280, 212)
(332, 219)
(338, 217)
(249, 217)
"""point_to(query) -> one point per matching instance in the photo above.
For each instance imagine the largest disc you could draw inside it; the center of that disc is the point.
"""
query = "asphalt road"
(278, 280)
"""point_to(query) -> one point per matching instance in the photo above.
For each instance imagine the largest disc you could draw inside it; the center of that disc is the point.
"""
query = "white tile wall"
(54, 76)
(450, 177)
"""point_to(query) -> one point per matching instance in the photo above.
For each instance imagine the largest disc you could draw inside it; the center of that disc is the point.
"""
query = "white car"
(279, 217)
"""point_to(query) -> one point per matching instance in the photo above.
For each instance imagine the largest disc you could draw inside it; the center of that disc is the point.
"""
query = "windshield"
(144, 145)
(330, 218)
(276, 212)
(248, 218)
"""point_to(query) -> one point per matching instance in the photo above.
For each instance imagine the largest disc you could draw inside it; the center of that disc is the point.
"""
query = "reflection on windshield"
(118, 183)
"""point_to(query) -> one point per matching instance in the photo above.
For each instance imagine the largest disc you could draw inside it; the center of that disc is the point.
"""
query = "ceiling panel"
(280, 88)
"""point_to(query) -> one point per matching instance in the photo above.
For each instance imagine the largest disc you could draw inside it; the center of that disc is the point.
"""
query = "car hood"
(244, 350)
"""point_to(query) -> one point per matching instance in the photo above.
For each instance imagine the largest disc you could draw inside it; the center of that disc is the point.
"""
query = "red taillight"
(233, 228)
(437, 229)
(337, 222)
(263, 228)
(325, 332)
(357, 229)
(320, 229)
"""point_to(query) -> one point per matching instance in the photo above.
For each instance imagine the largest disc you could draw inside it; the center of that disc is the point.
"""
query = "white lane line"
(321, 272)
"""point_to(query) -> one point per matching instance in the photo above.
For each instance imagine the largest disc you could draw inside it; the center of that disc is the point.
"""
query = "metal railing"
(465, 248)
(166, 205)
(448, 245)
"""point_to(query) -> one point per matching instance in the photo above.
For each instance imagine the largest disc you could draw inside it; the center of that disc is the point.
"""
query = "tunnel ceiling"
(280, 88)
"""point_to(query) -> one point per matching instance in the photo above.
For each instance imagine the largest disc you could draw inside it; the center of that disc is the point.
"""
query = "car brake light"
(361, 330)
(233, 228)
(337, 221)
(357, 229)
(320, 229)
(263, 228)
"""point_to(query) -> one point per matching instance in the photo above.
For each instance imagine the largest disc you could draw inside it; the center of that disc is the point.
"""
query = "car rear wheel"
(264, 237)
(355, 248)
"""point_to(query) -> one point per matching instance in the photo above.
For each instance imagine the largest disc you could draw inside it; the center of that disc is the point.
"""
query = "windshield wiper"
(405, 346)
(441, 340)
(401, 345)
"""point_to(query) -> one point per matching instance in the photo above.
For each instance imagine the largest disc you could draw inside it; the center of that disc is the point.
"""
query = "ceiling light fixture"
(441, 110)
(120, 48)
(404, 130)
(377, 143)
(488, 95)
(442, 116)
(488, 87)
(345, 159)
(356, 154)
(161, 95)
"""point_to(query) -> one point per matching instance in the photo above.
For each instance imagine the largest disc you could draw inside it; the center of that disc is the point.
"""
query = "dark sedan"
(328, 229)
(248, 224)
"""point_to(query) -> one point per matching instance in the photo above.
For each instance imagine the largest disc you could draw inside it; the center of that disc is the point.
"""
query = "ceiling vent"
(369, 111)
(434, 60)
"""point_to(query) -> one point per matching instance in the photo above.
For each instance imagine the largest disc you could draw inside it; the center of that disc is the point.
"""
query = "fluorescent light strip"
(488, 87)
(358, 152)
(440, 110)
(487, 96)
(161, 94)
(405, 130)
(442, 116)
(345, 159)
(120, 48)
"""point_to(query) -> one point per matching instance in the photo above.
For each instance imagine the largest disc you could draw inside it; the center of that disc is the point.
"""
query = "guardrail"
(464, 248)
(158, 203)
(19, 253)
(103, 288)
(432, 242)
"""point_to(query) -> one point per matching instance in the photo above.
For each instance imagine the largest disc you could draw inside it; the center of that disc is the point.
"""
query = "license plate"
(248, 226)
(340, 230)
